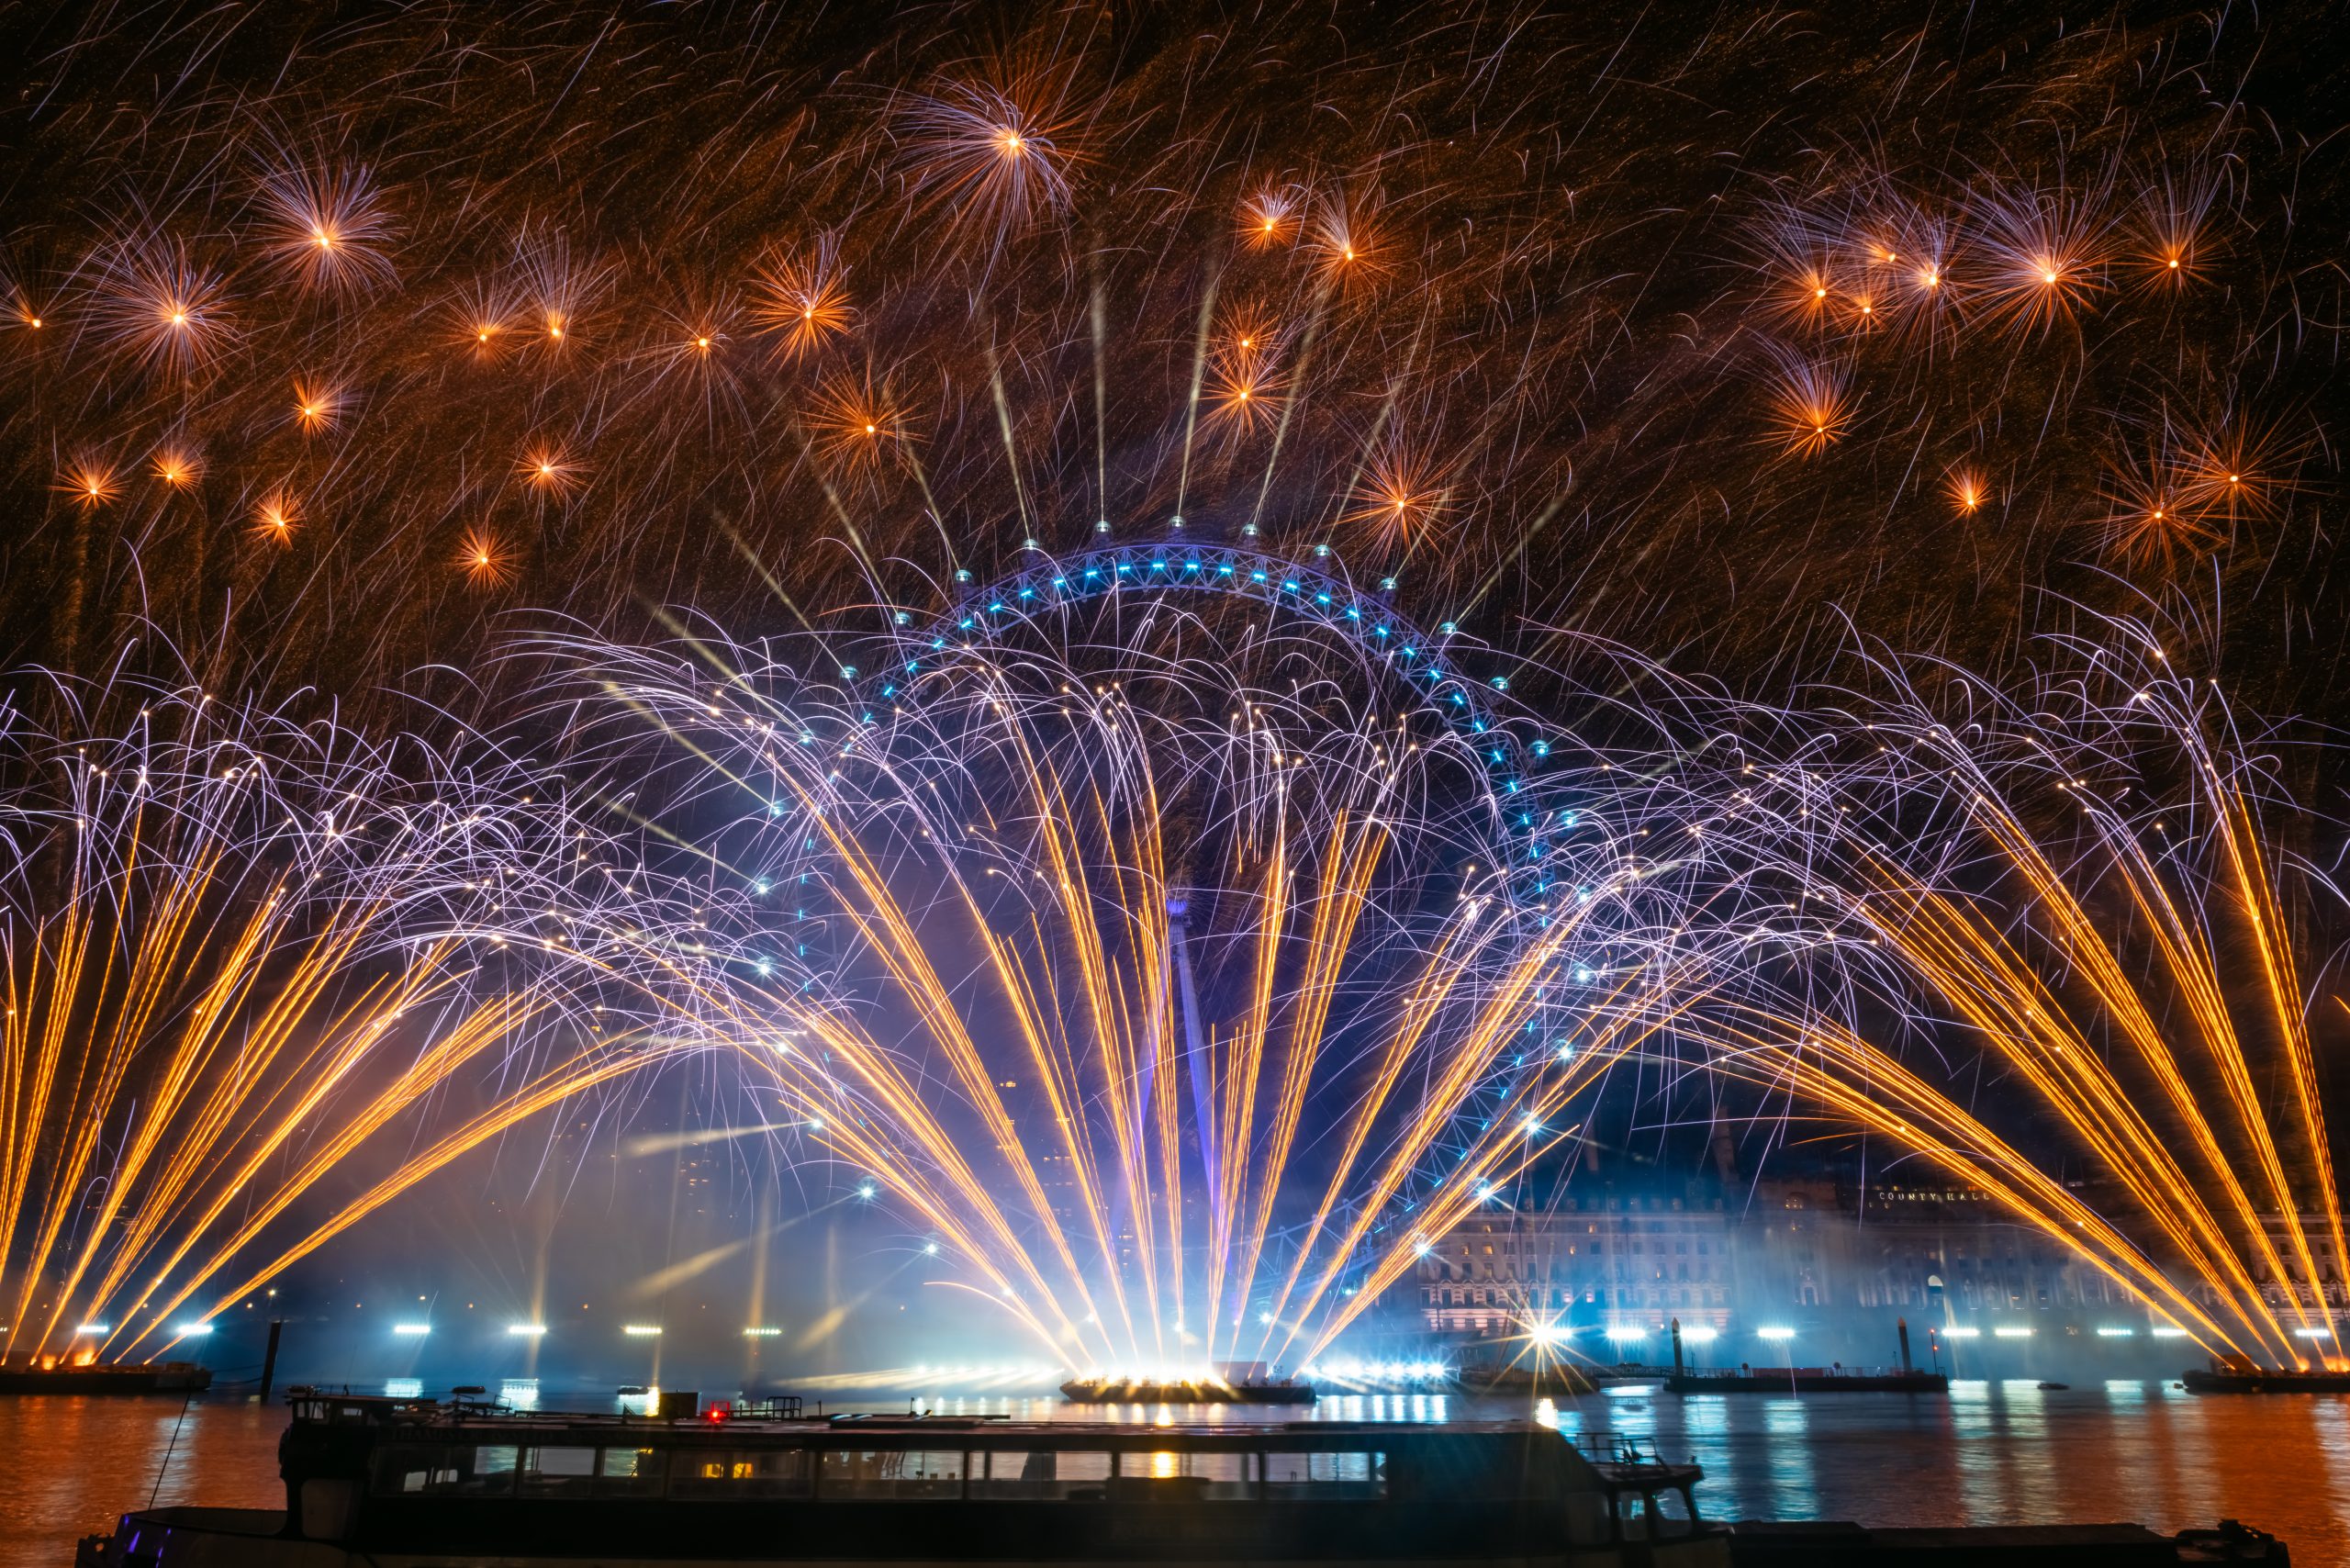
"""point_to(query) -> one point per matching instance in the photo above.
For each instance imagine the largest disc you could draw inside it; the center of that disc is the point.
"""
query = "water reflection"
(2036, 1484)
(2330, 1424)
(1788, 1423)
(1988, 1453)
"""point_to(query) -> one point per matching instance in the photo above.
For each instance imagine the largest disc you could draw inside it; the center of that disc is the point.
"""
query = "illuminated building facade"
(1827, 1263)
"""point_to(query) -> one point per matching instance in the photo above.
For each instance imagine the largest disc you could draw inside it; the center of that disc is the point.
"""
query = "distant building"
(1829, 1263)
(1615, 1260)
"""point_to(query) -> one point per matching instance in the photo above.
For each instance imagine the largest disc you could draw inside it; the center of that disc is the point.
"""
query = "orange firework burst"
(992, 155)
(1249, 335)
(803, 301)
(1966, 490)
(481, 322)
(2048, 253)
(1243, 391)
(327, 228)
(1346, 241)
(1269, 218)
(89, 481)
(161, 309)
(318, 406)
(1810, 294)
(484, 564)
(1242, 397)
(1812, 405)
(2232, 470)
(2174, 237)
(855, 423)
(2146, 515)
(178, 466)
(1400, 493)
(552, 470)
(554, 294)
(277, 515)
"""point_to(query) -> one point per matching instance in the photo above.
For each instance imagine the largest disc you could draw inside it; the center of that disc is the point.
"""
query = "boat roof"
(377, 1409)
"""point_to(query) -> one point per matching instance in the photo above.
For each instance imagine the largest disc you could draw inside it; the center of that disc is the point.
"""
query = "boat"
(1803, 1380)
(422, 1484)
(107, 1377)
(1555, 1380)
(1185, 1391)
(2256, 1380)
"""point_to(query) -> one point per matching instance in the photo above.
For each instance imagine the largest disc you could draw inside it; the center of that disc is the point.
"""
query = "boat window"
(854, 1473)
(628, 1473)
(1188, 1477)
(492, 1471)
(484, 1471)
(742, 1472)
(1668, 1514)
(558, 1472)
(1297, 1475)
(1040, 1474)
(407, 1468)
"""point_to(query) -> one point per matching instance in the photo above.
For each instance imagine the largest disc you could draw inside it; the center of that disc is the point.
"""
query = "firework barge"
(107, 1377)
(2233, 1375)
(1186, 1391)
(413, 1483)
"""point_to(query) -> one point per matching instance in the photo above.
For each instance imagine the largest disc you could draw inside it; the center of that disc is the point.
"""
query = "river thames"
(1990, 1453)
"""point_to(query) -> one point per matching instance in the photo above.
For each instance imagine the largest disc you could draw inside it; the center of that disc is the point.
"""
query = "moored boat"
(1185, 1391)
(1805, 1380)
(107, 1377)
(413, 1483)
(2256, 1380)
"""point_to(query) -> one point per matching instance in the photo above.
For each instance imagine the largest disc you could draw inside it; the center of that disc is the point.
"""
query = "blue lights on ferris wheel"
(1314, 593)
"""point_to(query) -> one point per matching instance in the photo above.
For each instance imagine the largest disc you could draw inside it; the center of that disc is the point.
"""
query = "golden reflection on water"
(1990, 1453)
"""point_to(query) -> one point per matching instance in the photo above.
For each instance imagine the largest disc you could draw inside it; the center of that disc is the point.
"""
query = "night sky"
(1610, 320)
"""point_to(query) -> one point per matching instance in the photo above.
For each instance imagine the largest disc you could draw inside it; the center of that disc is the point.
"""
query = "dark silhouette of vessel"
(107, 1377)
(374, 1480)
(2256, 1380)
(1204, 1391)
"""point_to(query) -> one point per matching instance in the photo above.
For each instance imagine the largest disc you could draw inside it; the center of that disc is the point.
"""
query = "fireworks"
(1480, 353)
(803, 301)
(974, 149)
(2077, 883)
(1077, 960)
(344, 354)
(237, 950)
(327, 228)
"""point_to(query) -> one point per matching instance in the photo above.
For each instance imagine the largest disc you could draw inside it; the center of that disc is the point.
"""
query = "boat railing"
(1700, 1374)
(311, 1404)
(1614, 1448)
(1627, 1456)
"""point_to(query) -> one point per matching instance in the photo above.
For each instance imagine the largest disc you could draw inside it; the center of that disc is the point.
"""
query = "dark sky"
(1576, 317)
